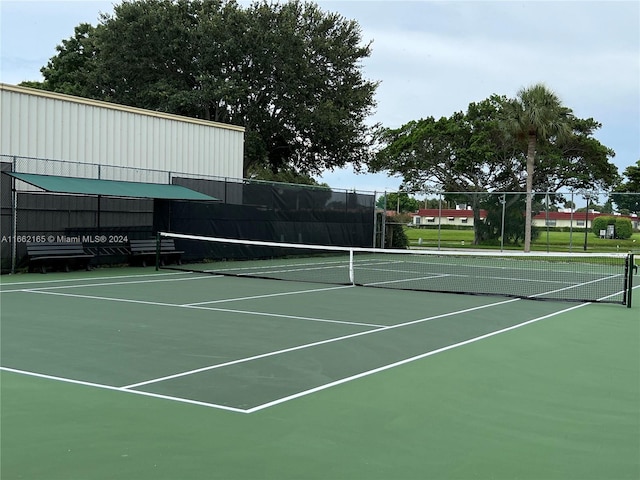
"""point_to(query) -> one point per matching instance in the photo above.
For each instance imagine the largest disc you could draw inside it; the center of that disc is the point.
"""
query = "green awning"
(109, 188)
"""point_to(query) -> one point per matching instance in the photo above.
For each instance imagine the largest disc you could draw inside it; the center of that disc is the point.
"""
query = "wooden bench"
(63, 255)
(144, 251)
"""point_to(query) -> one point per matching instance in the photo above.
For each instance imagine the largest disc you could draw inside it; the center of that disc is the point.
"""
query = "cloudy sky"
(432, 58)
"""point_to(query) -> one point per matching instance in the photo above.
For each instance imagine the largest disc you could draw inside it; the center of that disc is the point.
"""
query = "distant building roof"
(578, 215)
(450, 212)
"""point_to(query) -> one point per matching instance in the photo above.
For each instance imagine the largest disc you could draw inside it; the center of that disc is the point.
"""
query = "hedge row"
(623, 227)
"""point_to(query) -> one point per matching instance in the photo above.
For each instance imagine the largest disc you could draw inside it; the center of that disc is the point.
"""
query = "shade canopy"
(109, 188)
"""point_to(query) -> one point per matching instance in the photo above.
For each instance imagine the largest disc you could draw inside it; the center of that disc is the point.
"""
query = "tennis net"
(577, 277)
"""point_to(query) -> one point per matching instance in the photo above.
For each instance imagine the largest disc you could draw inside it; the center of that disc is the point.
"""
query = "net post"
(351, 273)
(158, 251)
(630, 267)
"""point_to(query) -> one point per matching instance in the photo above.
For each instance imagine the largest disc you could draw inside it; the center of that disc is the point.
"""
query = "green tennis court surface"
(133, 373)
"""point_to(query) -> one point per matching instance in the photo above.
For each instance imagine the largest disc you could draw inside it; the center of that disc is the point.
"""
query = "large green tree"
(290, 73)
(504, 219)
(480, 151)
(576, 161)
(466, 152)
(401, 202)
(627, 194)
(452, 154)
(71, 70)
(537, 115)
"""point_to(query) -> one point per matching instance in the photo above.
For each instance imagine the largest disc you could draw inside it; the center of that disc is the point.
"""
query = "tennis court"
(137, 373)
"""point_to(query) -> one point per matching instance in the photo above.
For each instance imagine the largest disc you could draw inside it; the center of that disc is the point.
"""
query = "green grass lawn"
(558, 241)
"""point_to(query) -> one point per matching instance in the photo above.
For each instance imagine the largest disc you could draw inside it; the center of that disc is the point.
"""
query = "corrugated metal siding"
(60, 127)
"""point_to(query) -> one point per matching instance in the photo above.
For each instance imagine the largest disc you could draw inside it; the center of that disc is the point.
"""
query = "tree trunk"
(475, 207)
(477, 234)
(531, 154)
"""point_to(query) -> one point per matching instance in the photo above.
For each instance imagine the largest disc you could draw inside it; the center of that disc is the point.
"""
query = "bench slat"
(53, 256)
(45, 254)
(147, 248)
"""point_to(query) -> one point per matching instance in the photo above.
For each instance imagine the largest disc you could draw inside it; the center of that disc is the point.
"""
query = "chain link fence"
(564, 220)
(104, 225)
(561, 220)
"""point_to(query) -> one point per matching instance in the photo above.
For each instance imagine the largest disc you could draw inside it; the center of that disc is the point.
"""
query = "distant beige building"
(434, 217)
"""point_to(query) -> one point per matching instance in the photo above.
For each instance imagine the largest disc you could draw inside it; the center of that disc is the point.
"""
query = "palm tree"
(536, 114)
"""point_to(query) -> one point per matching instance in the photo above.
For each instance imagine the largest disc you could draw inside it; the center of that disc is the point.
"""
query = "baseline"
(120, 389)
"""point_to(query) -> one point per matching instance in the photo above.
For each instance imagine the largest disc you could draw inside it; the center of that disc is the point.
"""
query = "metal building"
(71, 164)
(74, 170)
(45, 125)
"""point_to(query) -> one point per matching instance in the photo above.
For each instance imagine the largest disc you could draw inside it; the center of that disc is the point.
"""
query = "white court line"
(483, 278)
(569, 287)
(420, 357)
(119, 389)
(268, 295)
(95, 278)
(199, 277)
(196, 307)
(289, 266)
(103, 284)
(578, 285)
(433, 276)
(405, 361)
(314, 344)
